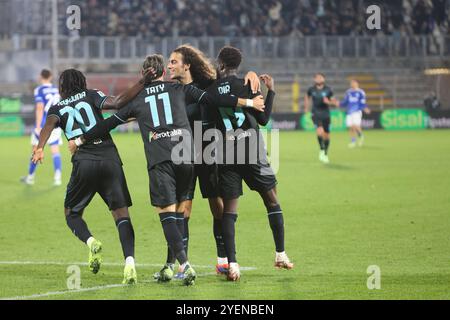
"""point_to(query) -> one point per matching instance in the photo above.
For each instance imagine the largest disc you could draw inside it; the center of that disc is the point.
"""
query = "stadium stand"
(162, 18)
(290, 39)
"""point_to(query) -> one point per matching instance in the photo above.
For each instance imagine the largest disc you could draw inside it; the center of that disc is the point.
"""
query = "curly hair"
(231, 57)
(202, 70)
(71, 81)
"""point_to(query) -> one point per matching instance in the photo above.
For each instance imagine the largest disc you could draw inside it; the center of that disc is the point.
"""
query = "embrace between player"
(170, 183)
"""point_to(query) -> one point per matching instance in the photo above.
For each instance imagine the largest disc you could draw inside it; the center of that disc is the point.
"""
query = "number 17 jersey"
(77, 115)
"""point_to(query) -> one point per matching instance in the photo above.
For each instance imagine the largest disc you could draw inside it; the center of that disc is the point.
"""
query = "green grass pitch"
(386, 204)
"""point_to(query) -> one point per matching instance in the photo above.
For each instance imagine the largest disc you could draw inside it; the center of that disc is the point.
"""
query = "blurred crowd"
(260, 17)
(158, 18)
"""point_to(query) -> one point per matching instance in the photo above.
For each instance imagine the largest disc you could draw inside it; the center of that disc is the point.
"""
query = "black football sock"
(277, 225)
(185, 234)
(217, 230)
(78, 226)
(320, 139)
(173, 236)
(126, 235)
(171, 259)
(228, 233)
(326, 144)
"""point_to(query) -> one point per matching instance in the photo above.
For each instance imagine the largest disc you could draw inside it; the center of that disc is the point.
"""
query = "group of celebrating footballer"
(166, 112)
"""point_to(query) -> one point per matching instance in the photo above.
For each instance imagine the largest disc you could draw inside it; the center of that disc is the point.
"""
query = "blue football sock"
(32, 168)
(57, 162)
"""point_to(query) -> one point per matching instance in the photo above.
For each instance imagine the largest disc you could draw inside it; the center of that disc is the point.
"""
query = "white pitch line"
(57, 293)
(112, 264)
(98, 288)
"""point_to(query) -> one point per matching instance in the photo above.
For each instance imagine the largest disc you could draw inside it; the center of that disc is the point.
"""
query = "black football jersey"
(235, 123)
(319, 107)
(234, 118)
(202, 111)
(160, 110)
(77, 115)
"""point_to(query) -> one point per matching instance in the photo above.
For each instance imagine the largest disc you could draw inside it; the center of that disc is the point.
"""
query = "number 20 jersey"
(77, 115)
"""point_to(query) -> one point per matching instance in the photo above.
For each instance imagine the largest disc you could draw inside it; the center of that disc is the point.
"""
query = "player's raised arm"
(50, 124)
(252, 78)
(264, 117)
(117, 102)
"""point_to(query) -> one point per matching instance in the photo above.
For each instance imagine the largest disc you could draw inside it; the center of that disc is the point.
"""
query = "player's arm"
(50, 124)
(306, 101)
(39, 115)
(363, 103)
(264, 117)
(330, 100)
(102, 128)
(344, 102)
(117, 102)
(214, 99)
(252, 78)
(39, 112)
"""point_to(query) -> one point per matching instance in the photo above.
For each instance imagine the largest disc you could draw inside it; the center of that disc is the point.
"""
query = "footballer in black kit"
(101, 169)
(189, 65)
(205, 173)
(241, 127)
(160, 110)
(322, 98)
(97, 167)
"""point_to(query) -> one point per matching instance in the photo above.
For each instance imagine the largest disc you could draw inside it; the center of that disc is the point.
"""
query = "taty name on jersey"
(155, 89)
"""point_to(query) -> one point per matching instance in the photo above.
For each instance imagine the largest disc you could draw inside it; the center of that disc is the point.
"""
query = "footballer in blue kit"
(45, 96)
(355, 103)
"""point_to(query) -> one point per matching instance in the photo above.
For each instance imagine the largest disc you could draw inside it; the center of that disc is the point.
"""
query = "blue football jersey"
(355, 100)
(47, 94)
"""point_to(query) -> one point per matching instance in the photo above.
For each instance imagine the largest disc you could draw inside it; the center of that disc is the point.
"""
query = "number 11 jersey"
(160, 110)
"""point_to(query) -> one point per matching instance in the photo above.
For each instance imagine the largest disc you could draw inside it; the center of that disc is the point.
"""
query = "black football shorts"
(258, 177)
(208, 179)
(170, 183)
(105, 177)
(322, 121)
